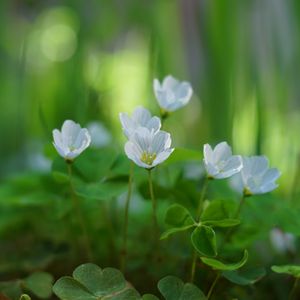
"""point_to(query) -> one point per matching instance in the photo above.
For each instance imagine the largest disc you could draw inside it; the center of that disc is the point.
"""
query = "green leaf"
(90, 282)
(245, 277)
(204, 240)
(40, 284)
(173, 288)
(218, 210)
(99, 282)
(149, 297)
(222, 223)
(178, 216)
(218, 265)
(182, 155)
(25, 297)
(101, 191)
(67, 288)
(287, 269)
(11, 289)
(94, 164)
(171, 231)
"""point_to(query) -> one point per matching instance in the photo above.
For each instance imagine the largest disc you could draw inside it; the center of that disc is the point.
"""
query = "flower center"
(72, 148)
(148, 158)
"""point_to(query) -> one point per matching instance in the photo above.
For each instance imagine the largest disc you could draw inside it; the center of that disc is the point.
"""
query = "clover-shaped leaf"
(245, 277)
(173, 288)
(204, 241)
(293, 270)
(90, 282)
(219, 209)
(40, 284)
(179, 218)
(219, 265)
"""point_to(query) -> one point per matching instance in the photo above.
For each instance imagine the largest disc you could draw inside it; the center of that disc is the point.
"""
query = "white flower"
(148, 148)
(71, 140)
(281, 241)
(100, 136)
(219, 162)
(172, 94)
(256, 177)
(141, 117)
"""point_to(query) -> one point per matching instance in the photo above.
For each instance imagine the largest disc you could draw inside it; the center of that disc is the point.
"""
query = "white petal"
(271, 175)
(221, 152)
(154, 123)
(162, 156)
(69, 132)
(259, 164)
(160, 142)
(141, 116)
(61, 151)
(127, 124)
(237, 183)
(208, 154)
(134, 153)
(170, 83)
(57, 138)
(233, 166)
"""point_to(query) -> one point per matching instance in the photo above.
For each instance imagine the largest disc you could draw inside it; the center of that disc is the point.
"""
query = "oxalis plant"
(196, 241)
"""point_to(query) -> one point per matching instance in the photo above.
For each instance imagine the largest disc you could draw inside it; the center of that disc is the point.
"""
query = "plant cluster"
(199, 231)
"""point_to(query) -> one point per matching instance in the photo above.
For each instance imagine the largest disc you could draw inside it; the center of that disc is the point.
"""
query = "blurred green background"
(89, 60)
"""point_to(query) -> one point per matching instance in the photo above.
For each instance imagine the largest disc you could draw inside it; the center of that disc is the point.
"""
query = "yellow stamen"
(148, 158)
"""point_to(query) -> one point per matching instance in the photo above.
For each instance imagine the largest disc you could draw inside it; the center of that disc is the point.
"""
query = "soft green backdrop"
(88, 60)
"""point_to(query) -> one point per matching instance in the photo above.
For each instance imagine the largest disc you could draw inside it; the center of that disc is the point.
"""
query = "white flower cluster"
(147, 145)
(252, 174)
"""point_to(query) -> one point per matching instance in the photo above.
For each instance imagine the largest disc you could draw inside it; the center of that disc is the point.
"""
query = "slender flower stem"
(153, 200)
(126, 215)
(241, 204)
(80, 219)
(211, 289)
(294, 289)
(199, 210)
(203, 192)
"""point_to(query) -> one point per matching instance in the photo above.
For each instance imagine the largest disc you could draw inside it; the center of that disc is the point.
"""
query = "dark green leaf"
(171, 231)
(204, 240)
(173, 288)
(67, 288)
(218, 265)
(149, 297)
(245, 277)
(218, 210)
(178, 216)
(99, 282)
(39, 283)
(90, 282)
(222, 223)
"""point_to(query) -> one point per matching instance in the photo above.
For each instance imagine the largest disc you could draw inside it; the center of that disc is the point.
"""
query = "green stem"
(80, 219)
(203, 192)
(126, 215)
(213, 286)
(241, 204)
(153, 200)
(294, 289)
(199, 210)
